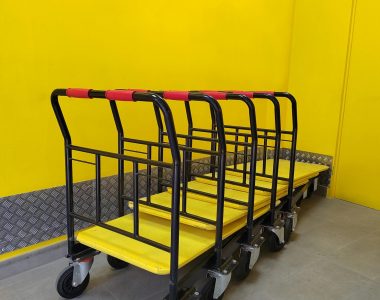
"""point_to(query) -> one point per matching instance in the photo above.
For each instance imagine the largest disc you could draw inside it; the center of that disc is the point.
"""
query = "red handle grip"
(78, 93)
(216, 95)
(176, 95)
(122, 95)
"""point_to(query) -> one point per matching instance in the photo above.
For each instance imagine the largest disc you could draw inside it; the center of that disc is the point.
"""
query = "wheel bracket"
(279, 231)
(254, 250)
(81, 269)
(222, 277)
(294, 216)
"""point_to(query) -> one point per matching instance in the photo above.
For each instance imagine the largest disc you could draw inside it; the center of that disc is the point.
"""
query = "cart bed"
(282, 188)
(210, 188)
(192, 241)
(302, 170)
(194, 206)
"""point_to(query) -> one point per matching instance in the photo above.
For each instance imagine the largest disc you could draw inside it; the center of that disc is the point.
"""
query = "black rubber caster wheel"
(116, 263)
(273, 242)
(208, 291)
(64, 284)
(288, 229)
(242, 270)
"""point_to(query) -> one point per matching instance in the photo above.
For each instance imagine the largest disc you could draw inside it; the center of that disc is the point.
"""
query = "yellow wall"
(317, 64)
(122, 44)
(333, 72)
(358, 165)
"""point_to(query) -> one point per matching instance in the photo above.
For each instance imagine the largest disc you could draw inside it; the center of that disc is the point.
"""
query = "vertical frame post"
(98, 188)
(120, 136)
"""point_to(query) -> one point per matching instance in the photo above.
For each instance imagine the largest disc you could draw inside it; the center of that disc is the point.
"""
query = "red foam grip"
(176, 95)
(264, 92)
(122, 95)
(216, 95)
(78, 93)
(247, 94)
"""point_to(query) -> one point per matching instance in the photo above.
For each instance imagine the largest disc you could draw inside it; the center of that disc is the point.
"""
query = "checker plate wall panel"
(30, 218)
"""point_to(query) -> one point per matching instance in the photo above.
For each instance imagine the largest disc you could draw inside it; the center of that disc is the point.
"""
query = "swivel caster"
(243, 270)
(208, 291)
(249, 254)
(65, 284)
(116, 263)
(275, 237)
(290, 224)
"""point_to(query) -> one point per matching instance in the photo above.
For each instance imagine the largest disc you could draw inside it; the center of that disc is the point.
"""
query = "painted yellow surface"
(333, 73)
(281, 188)
(193, 241)
(211, 189)
(301, 170)
(192, 45)
(28, 249)
(195, 207)
(122, 44)
(357, 173)
(318, 58)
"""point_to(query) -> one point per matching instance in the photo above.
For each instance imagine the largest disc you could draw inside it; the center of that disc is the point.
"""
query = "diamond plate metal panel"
(29, 218)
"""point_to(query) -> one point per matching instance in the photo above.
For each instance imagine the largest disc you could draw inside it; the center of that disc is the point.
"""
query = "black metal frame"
(276, 138)
(218, 168)
(293, 148)
(219, 151)
(252, 145)
(272, 96)
(186, 149)
(77, 250)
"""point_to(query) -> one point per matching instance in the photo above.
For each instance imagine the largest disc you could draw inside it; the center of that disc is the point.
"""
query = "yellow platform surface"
(194, 206)
(242, 196)
(302, 170)
(302, 173)
(192, 241)
(282, 188)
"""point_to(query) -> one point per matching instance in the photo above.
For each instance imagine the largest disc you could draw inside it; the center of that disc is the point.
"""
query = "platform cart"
(74, 279)
(287, 191)
(274, 224)
(277, 226)
(251, 240)
(299, 183)
(159, 234)
(157, 205)
(144, 239)
(199, 187)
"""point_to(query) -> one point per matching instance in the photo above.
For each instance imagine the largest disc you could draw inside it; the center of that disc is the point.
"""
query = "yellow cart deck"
(302, 170)
(282, 188)
(192, 241)
(207, 187)
(194, 206)
(302, 173)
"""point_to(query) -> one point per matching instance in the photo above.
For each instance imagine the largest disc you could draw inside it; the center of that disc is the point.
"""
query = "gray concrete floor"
(334, 254)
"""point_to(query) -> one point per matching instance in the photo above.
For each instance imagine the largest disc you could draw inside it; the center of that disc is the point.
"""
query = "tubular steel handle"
(216, 94)
(263, 92)
(252, 94)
